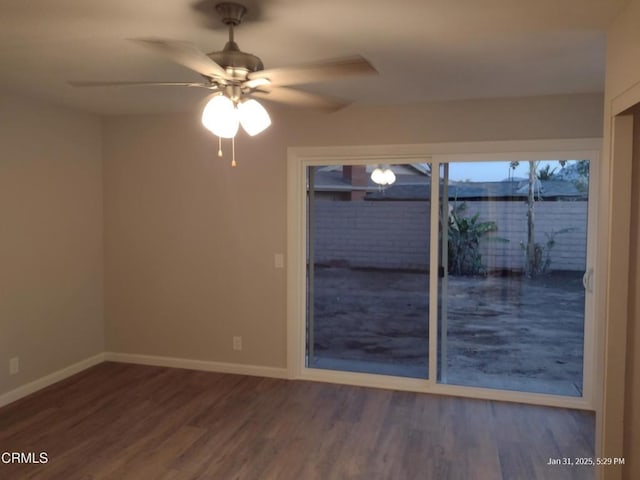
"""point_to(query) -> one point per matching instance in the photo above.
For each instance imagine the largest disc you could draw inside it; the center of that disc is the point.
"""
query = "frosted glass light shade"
(389, 176)
(377, 176)
(253, 117)
(220, 117)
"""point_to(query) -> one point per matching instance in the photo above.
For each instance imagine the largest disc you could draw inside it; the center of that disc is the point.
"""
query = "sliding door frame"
(299, 158)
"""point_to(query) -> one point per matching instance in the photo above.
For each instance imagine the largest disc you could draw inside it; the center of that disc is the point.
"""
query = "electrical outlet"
(237, 343)
(14, 365)
(279, 260)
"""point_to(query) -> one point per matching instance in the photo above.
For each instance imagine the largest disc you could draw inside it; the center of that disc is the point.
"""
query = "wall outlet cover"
(14, 365)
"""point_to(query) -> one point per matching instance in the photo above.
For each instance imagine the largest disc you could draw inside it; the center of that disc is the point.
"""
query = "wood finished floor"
(119, 421)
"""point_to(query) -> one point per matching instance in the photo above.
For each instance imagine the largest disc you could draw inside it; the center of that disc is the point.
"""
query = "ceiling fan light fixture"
(254, 118)
(236, 76)
(220, 117)
(383, 176)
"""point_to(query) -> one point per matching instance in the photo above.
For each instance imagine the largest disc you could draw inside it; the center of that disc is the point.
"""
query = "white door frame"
(299, 158)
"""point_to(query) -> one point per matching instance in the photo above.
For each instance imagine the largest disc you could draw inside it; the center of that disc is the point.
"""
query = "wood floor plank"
(119, 422)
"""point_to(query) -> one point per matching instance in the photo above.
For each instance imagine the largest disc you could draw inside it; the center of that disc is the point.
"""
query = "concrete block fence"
(396, 234)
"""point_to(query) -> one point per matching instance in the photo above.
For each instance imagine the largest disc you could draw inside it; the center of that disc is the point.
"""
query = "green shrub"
(465, 233)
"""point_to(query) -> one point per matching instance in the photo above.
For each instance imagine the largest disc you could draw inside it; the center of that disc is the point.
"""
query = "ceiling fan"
(239, 75)
(236, 78)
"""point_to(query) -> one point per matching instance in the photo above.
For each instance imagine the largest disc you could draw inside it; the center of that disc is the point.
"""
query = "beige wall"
(189, 241)
(620, 432)
(51, 308)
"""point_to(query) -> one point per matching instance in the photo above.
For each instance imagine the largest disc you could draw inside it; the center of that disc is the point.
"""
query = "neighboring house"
(506, 190)
(354, 182)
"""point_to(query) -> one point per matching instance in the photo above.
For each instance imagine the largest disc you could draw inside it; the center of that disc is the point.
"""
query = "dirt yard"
(502, 331)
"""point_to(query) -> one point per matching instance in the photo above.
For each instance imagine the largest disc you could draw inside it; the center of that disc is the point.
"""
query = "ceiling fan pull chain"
(233, 152)
(220, 146)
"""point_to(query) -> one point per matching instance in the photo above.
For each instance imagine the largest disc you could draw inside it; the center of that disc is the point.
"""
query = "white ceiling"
(424, 50)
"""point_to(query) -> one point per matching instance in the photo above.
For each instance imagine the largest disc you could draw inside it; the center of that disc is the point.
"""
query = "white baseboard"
(220, 367)
(208, 366)
(50, 379)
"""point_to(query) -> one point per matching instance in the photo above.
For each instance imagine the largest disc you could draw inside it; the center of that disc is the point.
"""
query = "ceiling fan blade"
(82, 83)
(299, 98)
(316, 72)
(186, 54)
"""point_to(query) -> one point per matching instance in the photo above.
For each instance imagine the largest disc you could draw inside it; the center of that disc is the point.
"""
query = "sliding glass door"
(461, 273)
(368, 269)
(512, 296)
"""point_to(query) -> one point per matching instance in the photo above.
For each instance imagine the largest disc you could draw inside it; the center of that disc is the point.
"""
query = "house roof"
(417, 186)
(332, 181)
(506, 190)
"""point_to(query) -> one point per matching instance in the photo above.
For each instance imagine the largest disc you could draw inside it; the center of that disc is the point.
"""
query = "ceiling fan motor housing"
(231, 58)
(236, 59)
